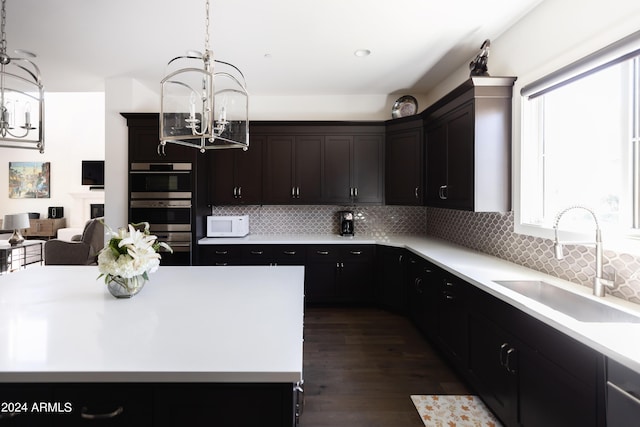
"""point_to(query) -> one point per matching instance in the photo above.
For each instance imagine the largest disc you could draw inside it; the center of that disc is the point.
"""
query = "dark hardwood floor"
(361, 366)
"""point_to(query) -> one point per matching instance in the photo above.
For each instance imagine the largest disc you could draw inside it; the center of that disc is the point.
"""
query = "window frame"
(619, 51)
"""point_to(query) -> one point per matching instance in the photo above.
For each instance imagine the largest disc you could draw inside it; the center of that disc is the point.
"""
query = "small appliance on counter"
(228, 226)
(346, 223)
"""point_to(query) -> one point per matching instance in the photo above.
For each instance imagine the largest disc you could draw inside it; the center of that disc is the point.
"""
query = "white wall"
(554, 33)
(74, 131)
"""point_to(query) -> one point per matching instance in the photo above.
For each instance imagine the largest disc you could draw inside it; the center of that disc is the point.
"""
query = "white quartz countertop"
(191, 324)
(619, 341)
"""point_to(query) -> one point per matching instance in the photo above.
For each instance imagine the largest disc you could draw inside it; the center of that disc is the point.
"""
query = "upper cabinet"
(404, 160)
(144, 141)
(236, 175)
(468, 147)
(353, 169)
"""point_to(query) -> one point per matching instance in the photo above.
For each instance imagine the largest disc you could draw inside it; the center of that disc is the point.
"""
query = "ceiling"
(283, 47)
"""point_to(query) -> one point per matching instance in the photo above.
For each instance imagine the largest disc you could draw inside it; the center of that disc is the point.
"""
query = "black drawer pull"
(220, 264)
(356, 252)
(87, 416)
(289, 252)
(322, 252)
(222, 252)
(257, 252)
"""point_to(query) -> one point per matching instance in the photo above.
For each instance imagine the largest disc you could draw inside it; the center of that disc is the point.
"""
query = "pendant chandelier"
(204, 102)
(21, 98)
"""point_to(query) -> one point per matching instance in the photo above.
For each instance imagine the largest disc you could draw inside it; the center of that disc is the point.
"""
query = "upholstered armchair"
(82, 250)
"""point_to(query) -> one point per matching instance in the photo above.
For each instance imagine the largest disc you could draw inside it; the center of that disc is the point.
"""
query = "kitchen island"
(197, 345)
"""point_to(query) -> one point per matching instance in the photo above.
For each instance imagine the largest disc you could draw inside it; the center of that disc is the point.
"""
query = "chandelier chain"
(3, 43)
(206, 29)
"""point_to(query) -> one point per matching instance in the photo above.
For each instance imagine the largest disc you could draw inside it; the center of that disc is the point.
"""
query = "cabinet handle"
(503, 354)
(297, 192)
(442, 193)
(416, 192)
(322, 252)
(400, 258)
(448, 296)
(222, 252)
(418, 285)
(235, 192)
(289, 252)
(625, 393)
(355, 191)
(257, 252)
(87, 416)
(239, 192)
(509, 366)
(356, 252)
(448, 284)
(293, 192)
(221, 264)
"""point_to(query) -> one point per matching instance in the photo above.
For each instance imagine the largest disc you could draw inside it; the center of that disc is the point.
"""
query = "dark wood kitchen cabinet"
(452, 317)
(391, 272)
(404, 162)
(530, 374)
(235, 175)
(339, 274)
(144, 141)
(468, 147)
(293, 169)
(353, 169)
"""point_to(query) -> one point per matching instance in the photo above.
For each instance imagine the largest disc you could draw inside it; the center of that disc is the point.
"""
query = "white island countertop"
(188, 324)
(619, 341)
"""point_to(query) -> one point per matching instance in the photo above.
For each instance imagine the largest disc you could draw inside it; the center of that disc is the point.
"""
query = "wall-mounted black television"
(93, 173)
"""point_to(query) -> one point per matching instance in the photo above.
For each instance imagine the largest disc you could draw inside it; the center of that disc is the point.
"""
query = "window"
(580, 143)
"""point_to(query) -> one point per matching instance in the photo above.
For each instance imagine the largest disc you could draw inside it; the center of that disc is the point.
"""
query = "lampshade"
(16, 222)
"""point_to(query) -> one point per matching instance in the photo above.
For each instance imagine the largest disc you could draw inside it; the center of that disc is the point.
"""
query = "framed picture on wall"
(29, 180)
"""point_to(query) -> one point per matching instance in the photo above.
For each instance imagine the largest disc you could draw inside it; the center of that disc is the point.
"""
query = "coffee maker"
(345, 219)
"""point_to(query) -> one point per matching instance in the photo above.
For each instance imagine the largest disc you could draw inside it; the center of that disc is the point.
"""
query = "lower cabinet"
(529, 373)
(391, 272)
(333, 273)
(339, 274)
(149, 404)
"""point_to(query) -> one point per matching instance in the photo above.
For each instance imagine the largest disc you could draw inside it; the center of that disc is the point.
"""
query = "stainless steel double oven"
(161, 194)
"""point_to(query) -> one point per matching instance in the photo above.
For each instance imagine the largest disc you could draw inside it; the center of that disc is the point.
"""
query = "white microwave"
(228, 226)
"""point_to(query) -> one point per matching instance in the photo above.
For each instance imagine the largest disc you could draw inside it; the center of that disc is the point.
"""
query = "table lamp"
(16, 222)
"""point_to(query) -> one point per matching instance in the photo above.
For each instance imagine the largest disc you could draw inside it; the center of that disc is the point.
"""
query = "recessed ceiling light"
(361, 53)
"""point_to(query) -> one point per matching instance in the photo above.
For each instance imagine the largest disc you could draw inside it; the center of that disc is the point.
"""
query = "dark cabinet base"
(141, 405)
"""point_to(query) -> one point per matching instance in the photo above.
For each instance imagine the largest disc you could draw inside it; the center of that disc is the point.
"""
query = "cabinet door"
(367, 169)
(144, 146)
(308, 169)
(355, 274)
(403, 173)
(493, 365)
(453, 319)
(220, 255)
(222, 185)
(336, 183)
(321, 273)
(460, 169)
(391, 277)
(436, 164)
(278, 170)
(248, 172)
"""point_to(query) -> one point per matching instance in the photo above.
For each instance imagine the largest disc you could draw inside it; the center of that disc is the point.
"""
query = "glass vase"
(125, 287)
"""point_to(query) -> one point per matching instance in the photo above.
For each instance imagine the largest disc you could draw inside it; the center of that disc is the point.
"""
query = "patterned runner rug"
(454, 411)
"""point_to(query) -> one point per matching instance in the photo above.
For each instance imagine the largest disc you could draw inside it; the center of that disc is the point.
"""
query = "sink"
(574, 305)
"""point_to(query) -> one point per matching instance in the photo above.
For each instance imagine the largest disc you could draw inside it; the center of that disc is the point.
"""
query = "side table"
(19, 256)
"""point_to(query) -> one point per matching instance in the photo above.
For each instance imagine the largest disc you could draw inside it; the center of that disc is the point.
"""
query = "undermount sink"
(574, 305)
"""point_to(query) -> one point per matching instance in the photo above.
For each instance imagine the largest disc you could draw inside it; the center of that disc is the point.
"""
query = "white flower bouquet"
(129, 256)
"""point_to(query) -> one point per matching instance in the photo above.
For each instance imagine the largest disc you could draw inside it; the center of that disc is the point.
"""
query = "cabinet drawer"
(220, 254)
(289, 254)
(257, 254)
(323, 252)
(357, 253)
(105, 404)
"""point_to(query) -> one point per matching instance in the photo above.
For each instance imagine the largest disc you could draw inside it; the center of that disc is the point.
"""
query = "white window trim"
(563, 68)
